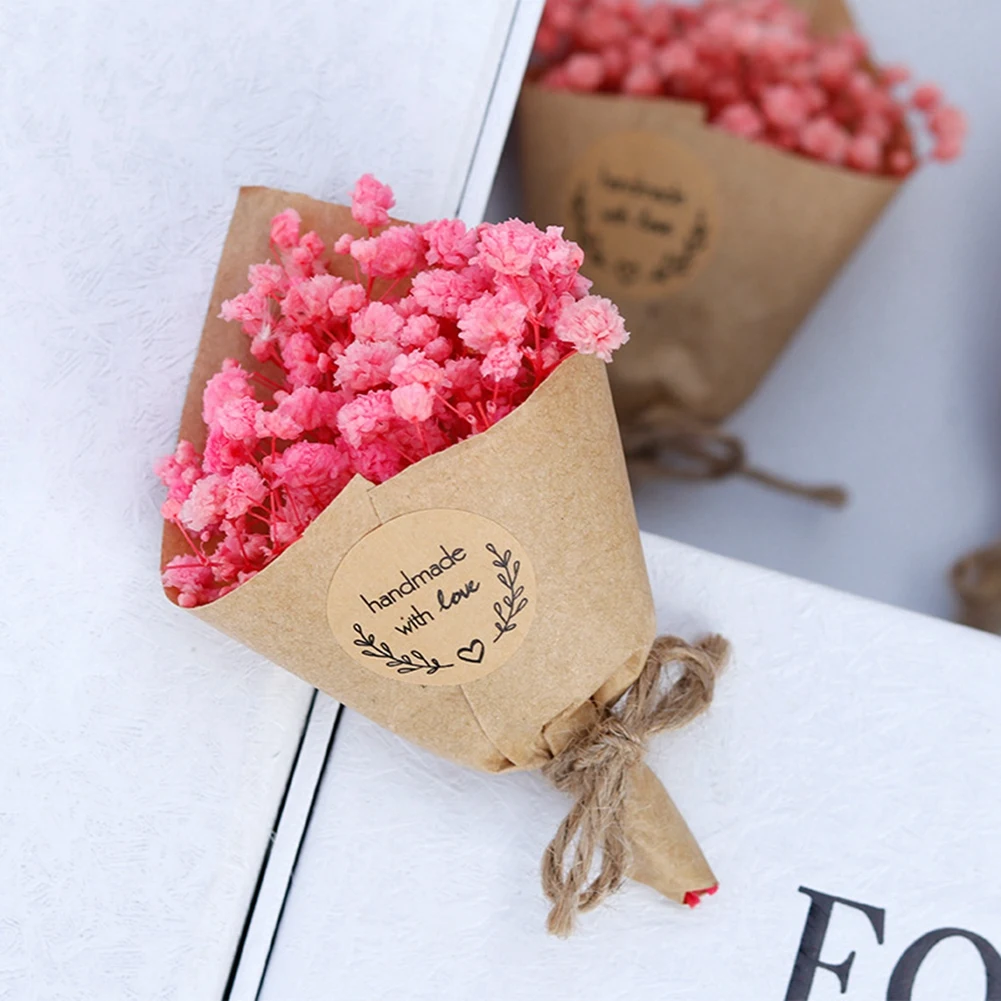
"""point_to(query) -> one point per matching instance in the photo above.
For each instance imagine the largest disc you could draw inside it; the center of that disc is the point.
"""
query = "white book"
(144, 757)
(843, 786)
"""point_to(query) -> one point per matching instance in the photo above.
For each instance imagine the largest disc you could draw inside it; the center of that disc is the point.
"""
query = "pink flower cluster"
(758, 70)
(443, 332)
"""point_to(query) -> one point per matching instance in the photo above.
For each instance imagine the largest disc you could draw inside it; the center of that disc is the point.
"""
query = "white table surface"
(144, 756)
(893, 386)
(852, 748)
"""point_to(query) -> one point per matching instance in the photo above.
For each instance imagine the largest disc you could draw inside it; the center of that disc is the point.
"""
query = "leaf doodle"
(404, 663)
(514, 601)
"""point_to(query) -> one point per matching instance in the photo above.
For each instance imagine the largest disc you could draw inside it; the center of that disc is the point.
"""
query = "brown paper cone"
(715, 248)
(552, 475)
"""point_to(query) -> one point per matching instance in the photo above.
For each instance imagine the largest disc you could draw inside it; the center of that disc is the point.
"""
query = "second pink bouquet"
(718, 162)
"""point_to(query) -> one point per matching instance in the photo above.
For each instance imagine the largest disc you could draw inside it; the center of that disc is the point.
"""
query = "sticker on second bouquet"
(643, 209)
(435, 597)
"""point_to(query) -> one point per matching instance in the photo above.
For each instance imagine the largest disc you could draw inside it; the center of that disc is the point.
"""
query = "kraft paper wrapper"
(553, 474)
(783, 226)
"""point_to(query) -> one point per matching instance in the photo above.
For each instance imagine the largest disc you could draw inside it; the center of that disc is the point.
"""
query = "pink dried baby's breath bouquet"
(444, 332)
(402, 480)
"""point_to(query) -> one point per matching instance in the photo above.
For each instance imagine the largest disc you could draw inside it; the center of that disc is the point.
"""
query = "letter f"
(808, 959)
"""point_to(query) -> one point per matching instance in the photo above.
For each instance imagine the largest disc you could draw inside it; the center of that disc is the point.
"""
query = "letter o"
(904, 973)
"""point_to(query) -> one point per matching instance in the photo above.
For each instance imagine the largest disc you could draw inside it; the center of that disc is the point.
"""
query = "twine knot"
(609, 744)
(596, 767)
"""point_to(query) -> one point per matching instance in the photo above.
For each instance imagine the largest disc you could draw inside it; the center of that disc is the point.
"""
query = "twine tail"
(977, 580)
(829, 494)
(598, 768)
(668, 442)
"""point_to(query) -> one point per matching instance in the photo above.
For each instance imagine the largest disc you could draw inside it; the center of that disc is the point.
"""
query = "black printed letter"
(902, 978)
(808, 959)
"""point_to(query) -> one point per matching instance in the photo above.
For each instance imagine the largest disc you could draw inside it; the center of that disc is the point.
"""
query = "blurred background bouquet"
(717, 163)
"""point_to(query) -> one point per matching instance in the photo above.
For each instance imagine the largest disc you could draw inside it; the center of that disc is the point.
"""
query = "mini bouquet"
(399, 476)
(718, 163)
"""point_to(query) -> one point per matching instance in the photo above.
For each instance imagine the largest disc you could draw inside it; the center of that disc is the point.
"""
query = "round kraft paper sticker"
(643, 209)
(436, 597)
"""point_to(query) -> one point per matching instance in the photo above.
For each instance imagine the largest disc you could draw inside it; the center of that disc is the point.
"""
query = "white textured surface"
(143, 755)
(852, 748)
(893, 386)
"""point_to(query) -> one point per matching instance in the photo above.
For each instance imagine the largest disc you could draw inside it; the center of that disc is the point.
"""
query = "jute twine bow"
(977, 579)
(669, 442)
(595, 768)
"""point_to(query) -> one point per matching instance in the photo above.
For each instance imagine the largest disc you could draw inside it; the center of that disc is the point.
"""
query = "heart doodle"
(472, 654)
